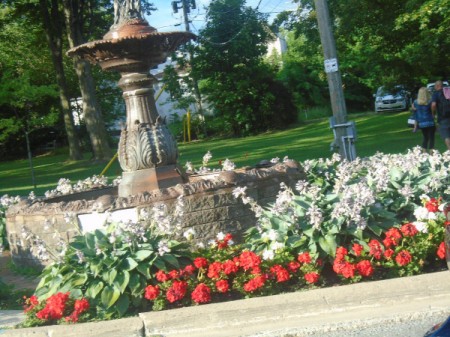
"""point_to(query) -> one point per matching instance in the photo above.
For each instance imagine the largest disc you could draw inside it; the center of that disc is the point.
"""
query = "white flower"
(275, 160)
(228, 165)
(189, 234)
(206, 158)
(220, 236)
(163, 247)
(268, 255)
(421, 226)
(239, 191)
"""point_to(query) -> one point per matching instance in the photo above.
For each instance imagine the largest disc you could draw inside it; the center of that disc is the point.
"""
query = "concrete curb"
(300, 312)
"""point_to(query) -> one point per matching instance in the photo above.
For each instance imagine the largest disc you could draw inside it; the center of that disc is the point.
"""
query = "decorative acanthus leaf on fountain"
(148, 146)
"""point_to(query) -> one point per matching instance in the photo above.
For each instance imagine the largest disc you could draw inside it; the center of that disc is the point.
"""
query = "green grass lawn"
(386, 133)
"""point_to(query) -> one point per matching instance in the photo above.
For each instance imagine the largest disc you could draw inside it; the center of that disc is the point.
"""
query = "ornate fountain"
(148, 156)
(147, 151)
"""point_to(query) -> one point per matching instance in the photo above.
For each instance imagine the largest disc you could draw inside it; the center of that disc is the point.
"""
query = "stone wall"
(210, 208)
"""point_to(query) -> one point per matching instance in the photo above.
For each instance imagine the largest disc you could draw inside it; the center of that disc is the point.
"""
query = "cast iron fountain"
(148, 156)
(147, 151)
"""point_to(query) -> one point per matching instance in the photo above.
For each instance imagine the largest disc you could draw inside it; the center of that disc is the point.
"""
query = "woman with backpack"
(424, 118)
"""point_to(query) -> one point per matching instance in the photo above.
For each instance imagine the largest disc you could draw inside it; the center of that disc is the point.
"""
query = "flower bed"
(373, 218)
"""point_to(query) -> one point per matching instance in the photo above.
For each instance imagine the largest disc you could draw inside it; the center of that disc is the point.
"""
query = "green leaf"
(122, 280)
(109, 296)
(79, 280)
(94, 289)
(142, 255)
(129, 264)
(328, 244)
(122, 305)
(143, 268)
(112, 276)
(171, 260)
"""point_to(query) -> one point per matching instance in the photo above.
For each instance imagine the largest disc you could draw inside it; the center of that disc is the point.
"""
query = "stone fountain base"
(210, 208)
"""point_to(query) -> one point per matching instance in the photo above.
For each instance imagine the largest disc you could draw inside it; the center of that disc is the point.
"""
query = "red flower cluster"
(58, 306)
(408, 229)
(177, 291)
(403, 258)
(225, 242)
(201, 294)
(342, 266)
(151, 292)
(312, 277)
(249, 260)
(281, 274)
(432, 205)
(54, 308)
(255, 283)
(441, 251)
(393, 236)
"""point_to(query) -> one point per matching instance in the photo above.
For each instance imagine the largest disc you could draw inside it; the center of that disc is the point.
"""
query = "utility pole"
(339, 124)
(187, 5)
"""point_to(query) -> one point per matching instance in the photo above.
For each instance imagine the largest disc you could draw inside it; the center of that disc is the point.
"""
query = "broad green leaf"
(122, 279)
(142, 255)
(94, 289)
(143, 268)
(171, 260)
(79, 279)
(129, 264)
(328, 244)
(109, 296)
(122, 305)
(112, 276)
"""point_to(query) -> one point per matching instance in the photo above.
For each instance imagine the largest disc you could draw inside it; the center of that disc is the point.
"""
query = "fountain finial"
(125, 10)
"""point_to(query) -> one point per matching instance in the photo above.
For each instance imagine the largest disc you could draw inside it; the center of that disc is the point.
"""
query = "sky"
(165, 20)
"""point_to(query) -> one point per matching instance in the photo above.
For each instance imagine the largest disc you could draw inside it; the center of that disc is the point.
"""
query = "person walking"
(441, 104)
(424, 118)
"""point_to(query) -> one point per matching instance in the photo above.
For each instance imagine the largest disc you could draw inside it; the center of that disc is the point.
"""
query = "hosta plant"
(112, 266)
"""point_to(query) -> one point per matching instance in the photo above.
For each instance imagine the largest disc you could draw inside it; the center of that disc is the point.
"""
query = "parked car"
(430, 86)
(391, 99)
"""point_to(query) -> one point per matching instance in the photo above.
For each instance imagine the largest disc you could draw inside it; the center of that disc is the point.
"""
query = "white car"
(394, 99)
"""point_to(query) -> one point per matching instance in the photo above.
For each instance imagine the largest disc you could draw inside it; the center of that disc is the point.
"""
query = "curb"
(309, 311)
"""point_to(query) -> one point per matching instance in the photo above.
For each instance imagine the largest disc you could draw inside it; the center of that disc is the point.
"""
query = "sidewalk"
(294, 314)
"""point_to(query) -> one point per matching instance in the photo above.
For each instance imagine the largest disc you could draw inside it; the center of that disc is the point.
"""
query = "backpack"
(443, 104)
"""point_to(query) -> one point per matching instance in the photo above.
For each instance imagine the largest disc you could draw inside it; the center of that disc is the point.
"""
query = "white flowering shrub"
(5, 202)
(65, 186)
(341, 200)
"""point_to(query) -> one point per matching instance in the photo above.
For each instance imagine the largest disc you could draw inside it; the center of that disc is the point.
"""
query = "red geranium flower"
(341, 253)
(54, 307)
(201, 294)
(357, 249)
(200, 262)
(255, 283)
(293, 266)
(432, 205)
(229, 267)
(441, 251)
(214, 270)
(403, 258)
(161, 276)
(222, 286)
(312, 277)
(173, 274)
(30, 303)
(408, 229)
(393, 236)
(304, 257)
(364, 268)
(281, 274)
(81, 306)
(388, 253)
(338, 265)
(348, 271)
(177, 291)
(249, 260)
(151, 292)
(375, 249)
(188, 270)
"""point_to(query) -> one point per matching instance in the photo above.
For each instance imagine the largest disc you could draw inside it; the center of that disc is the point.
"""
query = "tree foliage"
(382, 42)
(234, 78)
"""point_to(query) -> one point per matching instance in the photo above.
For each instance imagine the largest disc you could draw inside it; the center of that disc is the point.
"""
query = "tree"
(235, 79)
(28, 96)
(75, 12)
(383, 42)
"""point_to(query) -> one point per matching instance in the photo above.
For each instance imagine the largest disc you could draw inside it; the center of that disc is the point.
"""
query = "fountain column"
(147, 150)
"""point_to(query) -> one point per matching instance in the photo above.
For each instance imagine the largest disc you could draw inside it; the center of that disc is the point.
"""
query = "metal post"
(30, 159)
(333, 74)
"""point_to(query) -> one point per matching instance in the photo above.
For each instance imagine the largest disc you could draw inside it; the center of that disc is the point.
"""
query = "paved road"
(415, 325)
